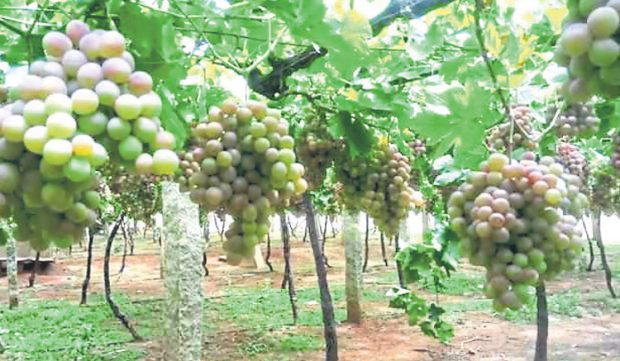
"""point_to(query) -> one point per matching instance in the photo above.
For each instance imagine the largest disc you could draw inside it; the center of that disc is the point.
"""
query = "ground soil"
(384, 335)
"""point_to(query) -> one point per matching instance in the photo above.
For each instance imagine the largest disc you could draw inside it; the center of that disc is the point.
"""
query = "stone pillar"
(353, 248)
(183, 276)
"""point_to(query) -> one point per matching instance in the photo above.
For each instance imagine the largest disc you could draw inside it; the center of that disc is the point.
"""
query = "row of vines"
(500, 122)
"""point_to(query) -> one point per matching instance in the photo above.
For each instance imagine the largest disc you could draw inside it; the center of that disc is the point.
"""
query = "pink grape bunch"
(498, 136)
(573, 160)
(589, 48)
(378, 185)
(73, 112)
(511, 220)
(242, 160)
(615, 152)
(577, 120)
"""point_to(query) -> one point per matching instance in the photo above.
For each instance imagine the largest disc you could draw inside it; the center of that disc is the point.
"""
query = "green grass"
(61, 330)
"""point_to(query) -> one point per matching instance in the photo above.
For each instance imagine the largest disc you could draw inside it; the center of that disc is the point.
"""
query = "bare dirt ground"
(384, 335)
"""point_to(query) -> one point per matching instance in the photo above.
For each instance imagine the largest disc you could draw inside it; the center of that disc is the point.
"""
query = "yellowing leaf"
(494, 42)
(555, 16)
(356, 29)
(340, 8)
(350, 94)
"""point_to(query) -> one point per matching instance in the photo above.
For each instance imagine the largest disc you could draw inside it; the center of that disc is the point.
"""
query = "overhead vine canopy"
(415, 64)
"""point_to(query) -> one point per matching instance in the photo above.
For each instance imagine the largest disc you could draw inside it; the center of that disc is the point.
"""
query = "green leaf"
(171, 121)
(307, 20)
(358, 137)
(456, 120)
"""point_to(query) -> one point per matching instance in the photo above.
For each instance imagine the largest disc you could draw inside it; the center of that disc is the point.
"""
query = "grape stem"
(542, 323)
(498, 90)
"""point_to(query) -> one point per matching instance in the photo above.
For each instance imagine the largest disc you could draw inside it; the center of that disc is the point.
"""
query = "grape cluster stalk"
(74, 111)
(242, 161)
(517, 220)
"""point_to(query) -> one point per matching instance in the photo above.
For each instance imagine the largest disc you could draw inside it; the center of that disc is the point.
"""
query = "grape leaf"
(456, 120)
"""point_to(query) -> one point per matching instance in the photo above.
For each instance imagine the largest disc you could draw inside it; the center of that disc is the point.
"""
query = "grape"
(603, 22)
(75, 30)
(56, 43)
(112, 44)
(116, 70)
(72, 61)
(107, 92)
(130, 148)
(89, 74)
(35, 139)
(60, 125)
(575, 40)
(140, 83)
(127, 106)
(603, 52)
(523, 229)
(84, 101)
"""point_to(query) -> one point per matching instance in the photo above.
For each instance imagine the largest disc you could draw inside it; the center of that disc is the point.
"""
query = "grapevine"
(242, 160)
(511, 220)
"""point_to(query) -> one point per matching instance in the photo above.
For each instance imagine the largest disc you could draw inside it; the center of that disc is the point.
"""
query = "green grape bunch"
(316, 148)
(378, 185)
(589, 48)
(499, 137)
(516, 220)
(578, 120)
(82, 106)
(242, 161)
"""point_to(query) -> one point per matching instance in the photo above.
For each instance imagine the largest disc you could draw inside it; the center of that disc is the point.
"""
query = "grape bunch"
(510, 218)
(136, 194)
(378, 186)
(588, 47)
(317, 148)
(573, 161)
(242, 161)
(418, 147)
(615, 155)
(70, 114)
(498, 137)
(604, 190)
(578, 120)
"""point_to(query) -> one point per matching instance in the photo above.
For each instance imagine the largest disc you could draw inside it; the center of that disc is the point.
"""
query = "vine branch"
(487, 61)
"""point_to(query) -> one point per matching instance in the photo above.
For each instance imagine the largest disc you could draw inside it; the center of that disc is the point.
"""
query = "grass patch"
(61, 330)
(458, 284)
